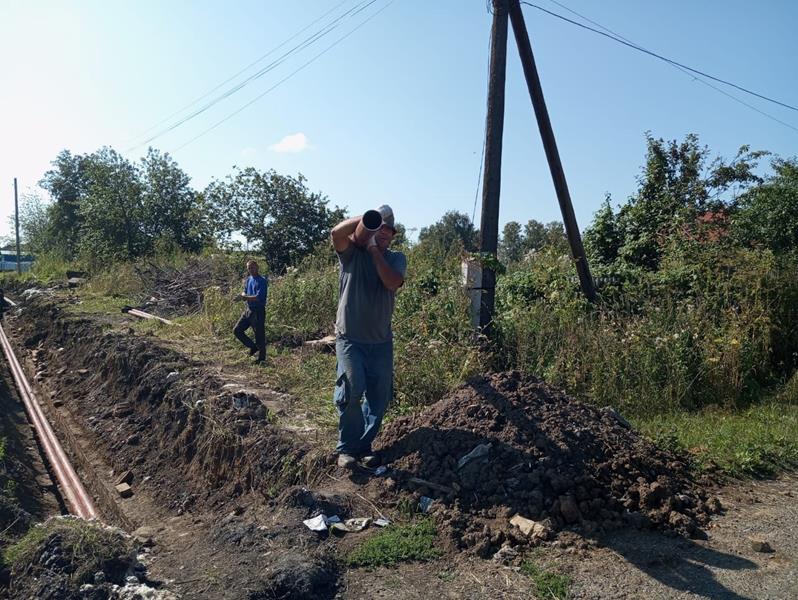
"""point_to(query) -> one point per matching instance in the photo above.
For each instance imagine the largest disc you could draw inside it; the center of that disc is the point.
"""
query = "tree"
(67, 182)
(34, 224)
(453, 233)
(676, 187)
(169, 205)
(603, 237)
(768, 213)
(275, 212)
(534, 235)
(511, 247)
(112, 212)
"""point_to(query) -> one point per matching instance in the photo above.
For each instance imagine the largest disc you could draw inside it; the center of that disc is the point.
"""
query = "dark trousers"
(255, 318)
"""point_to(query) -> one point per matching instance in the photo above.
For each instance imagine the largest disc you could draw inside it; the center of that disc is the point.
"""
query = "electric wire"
(683, 70)
(270, 67)
(484, 132)
(286, 78)
(232, 77)
(660, 57)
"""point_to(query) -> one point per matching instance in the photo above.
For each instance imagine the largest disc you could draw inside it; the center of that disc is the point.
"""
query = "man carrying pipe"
(254, 316)
(370, 275)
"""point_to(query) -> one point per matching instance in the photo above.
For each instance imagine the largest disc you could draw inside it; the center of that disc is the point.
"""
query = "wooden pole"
(491, 187)
(16, 221)
(550, 146)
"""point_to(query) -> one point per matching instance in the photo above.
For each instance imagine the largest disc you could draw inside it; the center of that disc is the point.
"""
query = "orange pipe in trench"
(75, 494)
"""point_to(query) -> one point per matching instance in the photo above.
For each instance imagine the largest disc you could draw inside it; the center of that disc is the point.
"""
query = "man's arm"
(259, 296)
(391, 278)
(340, 234)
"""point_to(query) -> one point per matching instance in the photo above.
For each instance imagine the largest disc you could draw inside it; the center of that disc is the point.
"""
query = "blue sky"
(395, 112)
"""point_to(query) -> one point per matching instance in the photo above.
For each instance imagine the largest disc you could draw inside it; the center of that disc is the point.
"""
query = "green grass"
(758, 441)
(548, 585)
(309, 376)
(98, 304)
(397, 543)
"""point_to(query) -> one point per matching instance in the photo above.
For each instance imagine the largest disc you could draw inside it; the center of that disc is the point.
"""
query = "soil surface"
(221, 487)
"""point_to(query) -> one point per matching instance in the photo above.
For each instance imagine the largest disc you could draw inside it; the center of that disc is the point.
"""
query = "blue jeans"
(362, 391)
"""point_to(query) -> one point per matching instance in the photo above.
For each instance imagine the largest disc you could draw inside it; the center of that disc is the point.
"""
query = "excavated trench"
(219, 490)
(203, 460)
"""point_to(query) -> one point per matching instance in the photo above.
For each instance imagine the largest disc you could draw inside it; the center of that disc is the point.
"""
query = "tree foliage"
(454, 229)
(676, 189)
(277, 213)
(768, 213)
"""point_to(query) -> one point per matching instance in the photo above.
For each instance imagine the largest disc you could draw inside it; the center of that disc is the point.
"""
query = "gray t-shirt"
(365, 305)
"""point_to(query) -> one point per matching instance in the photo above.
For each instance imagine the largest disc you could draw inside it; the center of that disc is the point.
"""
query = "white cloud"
(291, 143)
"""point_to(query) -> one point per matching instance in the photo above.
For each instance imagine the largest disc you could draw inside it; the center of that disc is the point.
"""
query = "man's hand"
(371, 245)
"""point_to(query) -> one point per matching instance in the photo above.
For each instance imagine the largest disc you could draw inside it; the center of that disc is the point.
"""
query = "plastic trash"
(321, 522)
(478, 452)
(424, 504)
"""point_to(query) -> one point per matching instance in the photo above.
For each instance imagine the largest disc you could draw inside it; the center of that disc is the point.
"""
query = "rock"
(530, 528)
(145, 536)
(760, 545)
(126, 477)
(124, 490)
(99, 578)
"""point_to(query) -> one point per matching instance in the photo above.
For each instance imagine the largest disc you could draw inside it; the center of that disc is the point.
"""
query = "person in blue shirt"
(255, 315)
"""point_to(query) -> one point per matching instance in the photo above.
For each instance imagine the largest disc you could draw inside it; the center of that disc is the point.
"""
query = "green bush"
(702, 330)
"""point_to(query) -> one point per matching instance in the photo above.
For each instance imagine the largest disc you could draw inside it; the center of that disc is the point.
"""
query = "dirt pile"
(183, 432)
(510, 445)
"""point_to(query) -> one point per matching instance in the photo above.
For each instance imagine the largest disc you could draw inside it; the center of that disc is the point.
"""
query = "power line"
(232, 77)
(485, 130)
(663, 58)
(679, 68)
(271, 66)
(289, 76)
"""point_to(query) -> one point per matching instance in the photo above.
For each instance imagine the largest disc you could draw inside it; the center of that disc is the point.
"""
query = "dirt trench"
(220, 489)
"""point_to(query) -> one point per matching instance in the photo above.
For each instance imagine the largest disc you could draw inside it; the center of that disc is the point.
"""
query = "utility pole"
(489, 223)
(550, 146)
(16, 221)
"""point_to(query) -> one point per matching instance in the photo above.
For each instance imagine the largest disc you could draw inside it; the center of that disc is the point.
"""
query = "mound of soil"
(539, 454)
(197, 440)
(68, 555)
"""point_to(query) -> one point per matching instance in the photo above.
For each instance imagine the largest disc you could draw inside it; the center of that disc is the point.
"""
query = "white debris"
(478, 452)
(321, 522)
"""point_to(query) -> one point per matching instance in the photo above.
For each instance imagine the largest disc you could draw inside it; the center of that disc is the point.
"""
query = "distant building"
(8, 260)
